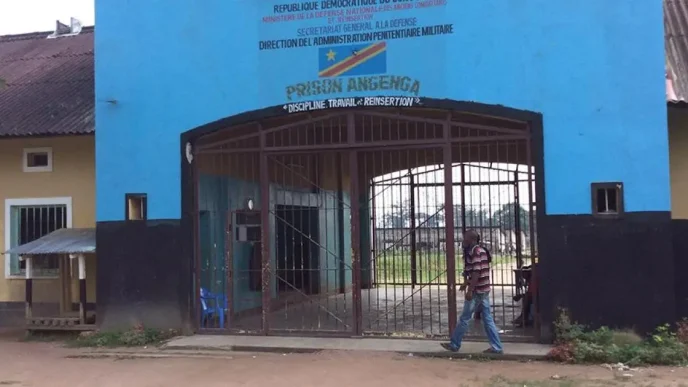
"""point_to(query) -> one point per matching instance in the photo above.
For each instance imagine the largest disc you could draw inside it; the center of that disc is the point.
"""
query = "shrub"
(562, 353)
(138, 336)
(565, 331)
(576, 345)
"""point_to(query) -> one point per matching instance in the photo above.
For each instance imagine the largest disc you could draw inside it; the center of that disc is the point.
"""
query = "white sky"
(20, 16)
(429, 200)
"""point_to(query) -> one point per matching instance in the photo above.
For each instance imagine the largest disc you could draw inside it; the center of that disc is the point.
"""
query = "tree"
(433, 220)
(505, 218)
(399, 216)
(474, 218)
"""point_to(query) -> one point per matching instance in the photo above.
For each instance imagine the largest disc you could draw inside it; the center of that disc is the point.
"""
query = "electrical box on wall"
(248, 226)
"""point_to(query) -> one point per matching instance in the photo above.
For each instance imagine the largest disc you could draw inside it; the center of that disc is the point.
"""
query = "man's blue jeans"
(482, 299)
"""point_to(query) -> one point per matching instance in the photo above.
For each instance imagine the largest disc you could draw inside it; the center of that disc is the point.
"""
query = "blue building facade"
(590, 72)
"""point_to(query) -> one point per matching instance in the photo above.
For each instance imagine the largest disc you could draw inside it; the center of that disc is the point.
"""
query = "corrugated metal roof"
(676, 47)
(62, 241)
(48, 84)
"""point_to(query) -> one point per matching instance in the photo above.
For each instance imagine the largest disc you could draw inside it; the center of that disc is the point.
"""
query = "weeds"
(574, 344)
(135, 337)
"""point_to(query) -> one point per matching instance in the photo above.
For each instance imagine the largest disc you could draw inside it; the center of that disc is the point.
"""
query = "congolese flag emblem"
(353, 59)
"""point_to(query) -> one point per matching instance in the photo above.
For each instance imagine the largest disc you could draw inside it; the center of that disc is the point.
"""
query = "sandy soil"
(46, 364)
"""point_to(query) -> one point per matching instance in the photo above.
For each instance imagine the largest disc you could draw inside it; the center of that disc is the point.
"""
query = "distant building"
(47, 166)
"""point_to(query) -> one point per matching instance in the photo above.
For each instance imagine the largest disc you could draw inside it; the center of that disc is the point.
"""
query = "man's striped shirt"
(479, 264)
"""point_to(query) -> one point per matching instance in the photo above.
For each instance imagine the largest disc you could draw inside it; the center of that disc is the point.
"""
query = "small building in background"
(47, 166)
(676, 43)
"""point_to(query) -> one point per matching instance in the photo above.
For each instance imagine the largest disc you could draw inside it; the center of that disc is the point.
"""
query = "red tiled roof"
(48, 84)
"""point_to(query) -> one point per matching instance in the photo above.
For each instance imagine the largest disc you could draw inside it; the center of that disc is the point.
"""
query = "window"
(607, 199)
(135, 207)
(29, 219)
(38, 160)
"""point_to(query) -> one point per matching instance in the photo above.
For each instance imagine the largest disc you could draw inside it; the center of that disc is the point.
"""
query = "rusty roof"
(62, 241)
(676, 47)
(46, 85)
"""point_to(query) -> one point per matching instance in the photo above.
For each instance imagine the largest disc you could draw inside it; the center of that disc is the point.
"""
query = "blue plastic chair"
(212, 305)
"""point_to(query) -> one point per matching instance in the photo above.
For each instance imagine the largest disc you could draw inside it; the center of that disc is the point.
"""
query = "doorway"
(297, 252)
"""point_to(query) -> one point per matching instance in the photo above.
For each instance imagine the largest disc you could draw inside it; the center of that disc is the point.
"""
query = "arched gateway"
(349, 221)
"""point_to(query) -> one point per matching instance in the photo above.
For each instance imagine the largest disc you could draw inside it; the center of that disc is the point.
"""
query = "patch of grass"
(575, 344)
(135, 337)
(395, 266)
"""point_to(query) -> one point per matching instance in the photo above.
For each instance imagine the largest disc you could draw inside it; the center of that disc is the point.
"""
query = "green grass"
(576, 344)
(137, 337)
(395, 267)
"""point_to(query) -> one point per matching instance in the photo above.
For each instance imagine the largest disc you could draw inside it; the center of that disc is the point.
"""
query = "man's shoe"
(449, 347)
(492, 351)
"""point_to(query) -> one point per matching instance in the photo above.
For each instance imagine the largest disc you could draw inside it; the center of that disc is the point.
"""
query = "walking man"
(477, 288)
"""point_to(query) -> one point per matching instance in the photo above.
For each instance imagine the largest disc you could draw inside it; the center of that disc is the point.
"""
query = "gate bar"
(412, 188)
(455, 184)
(449, 227)
(355, 227)
(532, 203)
(340, 223)
(463, 198)
(373, 244)
(229, 267)
(196, 263)
(265, 236)
(398, 145)
(517, 225)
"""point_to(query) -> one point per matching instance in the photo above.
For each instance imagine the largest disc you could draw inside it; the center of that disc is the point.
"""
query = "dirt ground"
(48, 364)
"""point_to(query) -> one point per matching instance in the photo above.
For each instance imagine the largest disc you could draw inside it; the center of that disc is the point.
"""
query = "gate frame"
(190, 195)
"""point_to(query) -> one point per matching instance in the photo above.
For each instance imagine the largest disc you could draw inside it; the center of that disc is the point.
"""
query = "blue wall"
(594, 69)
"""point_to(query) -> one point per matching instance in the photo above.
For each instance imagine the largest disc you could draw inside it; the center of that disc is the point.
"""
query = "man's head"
(471, 237)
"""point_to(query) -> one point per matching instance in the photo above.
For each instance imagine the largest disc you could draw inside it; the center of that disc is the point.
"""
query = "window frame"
(25, 160)
(28, 202)
(618, 187)
(144, 203)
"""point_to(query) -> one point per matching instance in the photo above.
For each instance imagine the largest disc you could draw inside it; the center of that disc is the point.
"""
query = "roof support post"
(29, 287)
(82, 288)
(81, 259)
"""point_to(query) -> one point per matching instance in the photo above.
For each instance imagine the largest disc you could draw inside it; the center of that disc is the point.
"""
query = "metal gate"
(349, 223)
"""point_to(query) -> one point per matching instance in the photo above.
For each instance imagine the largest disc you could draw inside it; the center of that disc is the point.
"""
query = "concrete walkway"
(426, 348)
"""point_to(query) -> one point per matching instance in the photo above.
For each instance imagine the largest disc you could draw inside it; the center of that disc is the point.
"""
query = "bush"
(565, 331)
(135, 337)
(574, 344)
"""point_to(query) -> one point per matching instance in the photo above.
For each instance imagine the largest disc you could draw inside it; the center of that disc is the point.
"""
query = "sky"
(480, 196)
(20, 16)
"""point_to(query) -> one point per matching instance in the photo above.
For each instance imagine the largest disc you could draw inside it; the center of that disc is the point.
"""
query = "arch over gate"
(349, 221)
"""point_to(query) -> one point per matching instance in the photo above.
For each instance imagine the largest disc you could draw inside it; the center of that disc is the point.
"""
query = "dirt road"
(46, 364)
